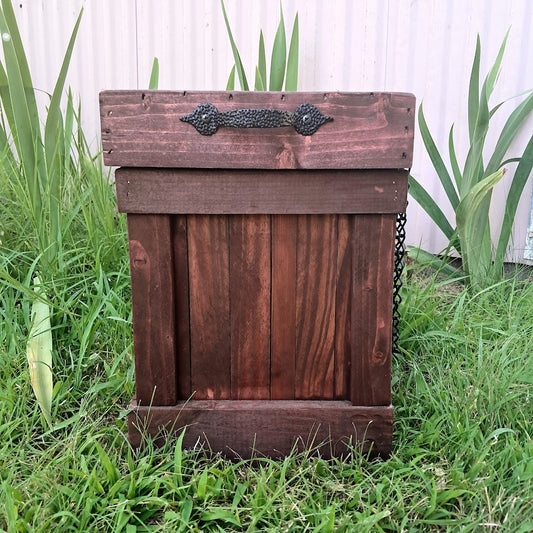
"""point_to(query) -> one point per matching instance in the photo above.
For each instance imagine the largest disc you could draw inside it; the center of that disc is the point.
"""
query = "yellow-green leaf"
(39, 352)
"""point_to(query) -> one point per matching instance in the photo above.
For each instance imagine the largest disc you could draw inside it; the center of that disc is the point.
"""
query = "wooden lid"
(368, 131)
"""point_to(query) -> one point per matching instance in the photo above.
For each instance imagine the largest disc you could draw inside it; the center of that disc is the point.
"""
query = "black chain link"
(399, 256)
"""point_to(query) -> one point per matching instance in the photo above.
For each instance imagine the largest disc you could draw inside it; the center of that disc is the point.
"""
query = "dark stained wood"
(369, 130)
(181, 295)
(151, 268)
(262, 268)
(260, 192)
(315, 306)
(256, 428)
(372, 256)
(343, 309)
(209, 306)
(283, 326)
(250, 306)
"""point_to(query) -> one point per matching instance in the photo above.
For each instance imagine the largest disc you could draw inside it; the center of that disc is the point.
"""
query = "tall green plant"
(283, 67)
(470, 190)
(58, 190)
(37, 160)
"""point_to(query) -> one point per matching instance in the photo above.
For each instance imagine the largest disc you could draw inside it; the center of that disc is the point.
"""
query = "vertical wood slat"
(181, 290)
(152, 293)
(343, 309)
(315, 306)
(208, 247)
(371, 327)
(283, 302)
(249, 238)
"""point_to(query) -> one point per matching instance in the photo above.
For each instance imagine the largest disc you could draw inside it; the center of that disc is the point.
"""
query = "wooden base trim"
(246, 428)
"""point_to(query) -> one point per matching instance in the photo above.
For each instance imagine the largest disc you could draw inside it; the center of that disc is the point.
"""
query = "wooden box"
(262, 265)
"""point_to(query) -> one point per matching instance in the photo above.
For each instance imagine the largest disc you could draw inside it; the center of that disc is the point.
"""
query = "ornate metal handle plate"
(206, 118)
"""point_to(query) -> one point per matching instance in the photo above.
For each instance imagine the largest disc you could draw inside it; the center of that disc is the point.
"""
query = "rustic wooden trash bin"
(262, 262)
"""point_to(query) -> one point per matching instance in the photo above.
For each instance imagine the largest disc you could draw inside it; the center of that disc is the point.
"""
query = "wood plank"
(250, 306)
(372, 255)
(315, 306)
(343, 309)
(245, 429)
(283, 342)
(260, 192)
(209, 306)
(153, 308)
(181, 291)
(369, 130)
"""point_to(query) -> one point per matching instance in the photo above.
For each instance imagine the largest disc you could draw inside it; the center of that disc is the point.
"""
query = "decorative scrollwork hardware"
(206, 118)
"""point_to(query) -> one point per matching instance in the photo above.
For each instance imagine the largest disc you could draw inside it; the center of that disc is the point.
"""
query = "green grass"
(463, 453)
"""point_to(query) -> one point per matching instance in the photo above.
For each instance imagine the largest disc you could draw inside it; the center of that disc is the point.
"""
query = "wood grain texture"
(315, 306)
(283, 316)
(209, 296)
(246, 429)
(181, 299)
(250, 306)
(153, 308)
(371, 313)
(369, 130)
(260, 192)
(343, 309)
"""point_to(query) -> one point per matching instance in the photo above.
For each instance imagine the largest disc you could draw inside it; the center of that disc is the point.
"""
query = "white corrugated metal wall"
(420, 46)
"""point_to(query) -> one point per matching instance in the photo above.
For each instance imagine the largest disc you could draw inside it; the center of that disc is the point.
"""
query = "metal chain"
(399, 255)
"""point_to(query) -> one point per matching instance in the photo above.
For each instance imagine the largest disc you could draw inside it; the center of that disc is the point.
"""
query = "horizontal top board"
(368, 131)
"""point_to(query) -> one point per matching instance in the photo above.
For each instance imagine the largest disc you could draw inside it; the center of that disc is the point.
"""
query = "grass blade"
(492, 76)
(236, 56)
(68, 135)
(230, 85)
(509, 132)
(22, 63)
(54, 117)
(430, 207)
(473, 91)
(434, 262)
(4, 95)
(26, 135)
(279, 58)
(54, 143)
(436, 159)
(259, 83)
(473, 228)
(261, 71)
(154, 75)
(291, 82)
(39, 353)
(453, 161)
(473, 170)
(220, 514)
(521, 175)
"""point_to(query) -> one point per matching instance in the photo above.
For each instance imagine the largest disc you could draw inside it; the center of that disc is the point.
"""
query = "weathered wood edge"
(181, 191)
(152, 293)
(253, 428)
(370, 130)
(371, 309)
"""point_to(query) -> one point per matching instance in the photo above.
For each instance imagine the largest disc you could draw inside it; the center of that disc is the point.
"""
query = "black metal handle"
(206, 118)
